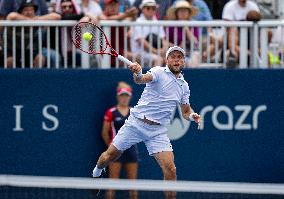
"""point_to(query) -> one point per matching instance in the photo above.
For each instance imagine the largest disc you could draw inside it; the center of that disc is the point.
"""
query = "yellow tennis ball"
(87, 36)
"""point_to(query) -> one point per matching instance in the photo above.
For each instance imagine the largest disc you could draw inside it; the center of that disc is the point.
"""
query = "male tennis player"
(165, 88)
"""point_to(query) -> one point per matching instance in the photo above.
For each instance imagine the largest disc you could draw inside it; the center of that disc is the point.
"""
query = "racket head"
(98, 44)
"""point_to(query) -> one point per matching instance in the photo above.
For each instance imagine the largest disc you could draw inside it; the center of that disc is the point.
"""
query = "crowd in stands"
(149, 43)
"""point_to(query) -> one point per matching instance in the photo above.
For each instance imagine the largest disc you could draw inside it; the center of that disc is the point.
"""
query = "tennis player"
(165, 88)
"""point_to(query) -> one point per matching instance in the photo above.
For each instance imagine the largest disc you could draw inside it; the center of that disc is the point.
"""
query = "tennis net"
(29, 187)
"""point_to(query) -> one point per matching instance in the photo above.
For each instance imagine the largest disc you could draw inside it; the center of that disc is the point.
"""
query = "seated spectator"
(26, 11)
(149, 42)
(91, 8)
(162, 7)
(8, 6)
(203, 13)
(123, 5)
(236, 10)
(111, 11)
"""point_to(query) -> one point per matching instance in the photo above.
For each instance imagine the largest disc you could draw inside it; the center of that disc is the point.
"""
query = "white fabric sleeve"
(162, 33)
(228, 12)
(253, 6)
(185, 96)
(137, 33)
(155, 72)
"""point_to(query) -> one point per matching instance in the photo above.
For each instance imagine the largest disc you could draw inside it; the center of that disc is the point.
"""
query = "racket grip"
(123, 59)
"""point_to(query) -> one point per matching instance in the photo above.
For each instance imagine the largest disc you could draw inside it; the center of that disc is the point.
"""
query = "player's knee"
(173, 170)
(170, 170)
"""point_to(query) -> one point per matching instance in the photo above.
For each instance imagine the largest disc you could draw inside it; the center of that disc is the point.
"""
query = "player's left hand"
(196, 117)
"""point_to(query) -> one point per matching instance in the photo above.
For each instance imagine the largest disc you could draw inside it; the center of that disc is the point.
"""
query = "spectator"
(162, 7)
(236, 10)
(111, 12)
(123, 5)
(91, 8)
(8, 6)
(203, 13)
(146, 39)
(53, 3)
(113, 121)
(27, 11)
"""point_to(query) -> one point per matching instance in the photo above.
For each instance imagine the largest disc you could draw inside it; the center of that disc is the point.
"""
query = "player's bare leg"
(131, 173)
(114, 172)
(110, 155)
(166, 161)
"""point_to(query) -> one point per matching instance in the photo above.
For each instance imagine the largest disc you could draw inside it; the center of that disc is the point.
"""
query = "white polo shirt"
(161, 96)
(234, 12)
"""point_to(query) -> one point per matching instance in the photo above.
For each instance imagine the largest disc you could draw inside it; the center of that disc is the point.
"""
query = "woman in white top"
(91, 7)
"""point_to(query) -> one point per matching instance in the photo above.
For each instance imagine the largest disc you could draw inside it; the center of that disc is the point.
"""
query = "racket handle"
(125, 60)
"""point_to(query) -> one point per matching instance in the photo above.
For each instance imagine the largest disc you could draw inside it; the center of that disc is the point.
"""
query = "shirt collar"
(169, 71)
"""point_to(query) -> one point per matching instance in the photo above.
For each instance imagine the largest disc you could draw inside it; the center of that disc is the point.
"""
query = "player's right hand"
(135, 67)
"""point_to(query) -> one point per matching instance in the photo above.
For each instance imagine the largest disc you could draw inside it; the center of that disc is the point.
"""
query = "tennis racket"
(98, 43)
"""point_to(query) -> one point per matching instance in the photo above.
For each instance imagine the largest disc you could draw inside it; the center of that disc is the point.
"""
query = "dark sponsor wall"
(50, 124)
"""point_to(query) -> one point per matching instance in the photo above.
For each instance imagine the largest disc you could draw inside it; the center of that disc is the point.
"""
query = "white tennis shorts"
(134, 131)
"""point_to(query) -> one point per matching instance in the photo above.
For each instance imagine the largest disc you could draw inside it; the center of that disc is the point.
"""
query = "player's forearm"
(138, 78)
(142, 78)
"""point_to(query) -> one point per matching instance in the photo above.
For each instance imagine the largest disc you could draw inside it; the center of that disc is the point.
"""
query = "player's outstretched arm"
(139, 78)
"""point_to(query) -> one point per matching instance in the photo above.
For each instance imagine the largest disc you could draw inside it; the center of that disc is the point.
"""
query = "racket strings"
(95, 45)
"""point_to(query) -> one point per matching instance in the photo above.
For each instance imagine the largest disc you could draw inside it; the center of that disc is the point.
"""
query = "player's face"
(123, 99)
(28, 11)
(175, 62)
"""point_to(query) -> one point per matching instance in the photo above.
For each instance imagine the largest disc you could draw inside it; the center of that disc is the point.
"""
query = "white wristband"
(191, 116)
(138, 75)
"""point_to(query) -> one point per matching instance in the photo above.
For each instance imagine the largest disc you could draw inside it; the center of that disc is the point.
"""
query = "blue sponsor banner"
(51, 120)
